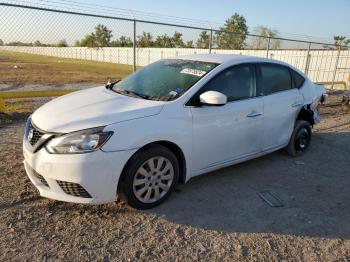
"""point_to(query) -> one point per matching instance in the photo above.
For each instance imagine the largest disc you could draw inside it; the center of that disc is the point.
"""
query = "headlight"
(78, 142)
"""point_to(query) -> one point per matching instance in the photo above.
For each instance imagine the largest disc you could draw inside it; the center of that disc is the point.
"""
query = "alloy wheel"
(153, 179)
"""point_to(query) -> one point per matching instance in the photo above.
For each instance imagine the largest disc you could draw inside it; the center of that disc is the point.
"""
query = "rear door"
(282, 103)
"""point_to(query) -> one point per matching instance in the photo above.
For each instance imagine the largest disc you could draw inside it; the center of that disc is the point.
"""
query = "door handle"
(254, 114)
(297, 104)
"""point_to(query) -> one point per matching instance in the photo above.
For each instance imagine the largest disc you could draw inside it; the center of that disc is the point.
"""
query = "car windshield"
(164, 80)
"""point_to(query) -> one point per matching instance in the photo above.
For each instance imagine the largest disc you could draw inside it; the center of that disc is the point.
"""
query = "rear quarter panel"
(312, 92)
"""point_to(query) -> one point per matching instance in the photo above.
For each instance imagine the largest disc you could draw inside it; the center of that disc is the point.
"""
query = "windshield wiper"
(132, 93)
(110, 84)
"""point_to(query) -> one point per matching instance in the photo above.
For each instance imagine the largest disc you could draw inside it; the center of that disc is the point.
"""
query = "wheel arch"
(174, 148)
(307, 115)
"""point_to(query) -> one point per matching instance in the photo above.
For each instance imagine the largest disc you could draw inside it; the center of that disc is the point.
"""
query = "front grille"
(73, 189)
(34, 134)
(38, 176)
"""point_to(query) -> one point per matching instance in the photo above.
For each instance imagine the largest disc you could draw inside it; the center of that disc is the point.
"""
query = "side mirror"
(213, 98)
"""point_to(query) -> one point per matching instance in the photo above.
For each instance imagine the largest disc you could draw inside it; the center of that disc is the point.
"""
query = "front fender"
(134, 134)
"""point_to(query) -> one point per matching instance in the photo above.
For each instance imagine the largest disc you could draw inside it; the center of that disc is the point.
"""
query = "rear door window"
(274, 78)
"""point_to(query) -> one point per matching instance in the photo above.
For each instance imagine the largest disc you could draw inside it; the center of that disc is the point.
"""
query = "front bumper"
(97, 173)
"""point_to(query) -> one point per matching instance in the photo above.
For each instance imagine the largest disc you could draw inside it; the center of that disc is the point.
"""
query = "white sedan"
(166, 123)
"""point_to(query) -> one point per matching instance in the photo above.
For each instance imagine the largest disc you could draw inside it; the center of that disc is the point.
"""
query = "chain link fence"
(45, 30)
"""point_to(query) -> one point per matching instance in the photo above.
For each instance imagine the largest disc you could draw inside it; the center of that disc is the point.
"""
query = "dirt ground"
(217, 216)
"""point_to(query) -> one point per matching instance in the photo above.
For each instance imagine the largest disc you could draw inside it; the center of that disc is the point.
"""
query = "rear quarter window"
(298, 79)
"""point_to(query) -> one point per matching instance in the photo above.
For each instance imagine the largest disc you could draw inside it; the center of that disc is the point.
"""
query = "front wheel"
(300, 139)
(150, 177)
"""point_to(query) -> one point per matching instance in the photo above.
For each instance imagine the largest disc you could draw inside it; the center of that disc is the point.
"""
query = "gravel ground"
(218, 216)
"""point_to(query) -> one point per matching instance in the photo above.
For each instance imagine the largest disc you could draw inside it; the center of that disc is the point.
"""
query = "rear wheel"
(150, 177)
(300, 139)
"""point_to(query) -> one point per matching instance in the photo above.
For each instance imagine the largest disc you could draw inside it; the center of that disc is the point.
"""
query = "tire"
(300, 139)
(145, 186)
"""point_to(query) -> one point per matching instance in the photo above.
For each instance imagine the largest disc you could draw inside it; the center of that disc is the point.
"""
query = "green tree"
(189, 44)
(145, 40)
(339, 40)
(262, 42)
(103, 35)
(164, 41)
(1, 42)
(100, 38)
(62, 43)
(18, 43)
(233, 34)
(88, 41)
(177, 40)
(38, 43)
(123, 41)
(203, 40)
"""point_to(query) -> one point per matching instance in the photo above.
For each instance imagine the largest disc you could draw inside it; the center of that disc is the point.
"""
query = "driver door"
(232, 131)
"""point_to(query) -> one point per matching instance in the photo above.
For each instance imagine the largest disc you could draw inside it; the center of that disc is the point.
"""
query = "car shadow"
(314, 190)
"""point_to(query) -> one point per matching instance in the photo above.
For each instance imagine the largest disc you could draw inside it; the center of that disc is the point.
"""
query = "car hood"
(92, 108)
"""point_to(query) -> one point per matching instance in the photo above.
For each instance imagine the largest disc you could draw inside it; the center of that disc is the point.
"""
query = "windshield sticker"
(178, 90)
(172, 94)
(194, 72)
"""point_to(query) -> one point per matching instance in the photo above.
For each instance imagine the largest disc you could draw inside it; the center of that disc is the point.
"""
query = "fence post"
(118, 55)
(210, 40)
(307, 60)
(335, 68)
(134, 46)
(268, 47)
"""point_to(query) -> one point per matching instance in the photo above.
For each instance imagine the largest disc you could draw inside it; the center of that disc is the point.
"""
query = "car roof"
(227, 58)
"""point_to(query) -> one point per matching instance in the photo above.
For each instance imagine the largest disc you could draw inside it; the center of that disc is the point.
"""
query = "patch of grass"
(19, 106)
(2, 105)
(26, 94)
(25, 68)
(20, 102)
